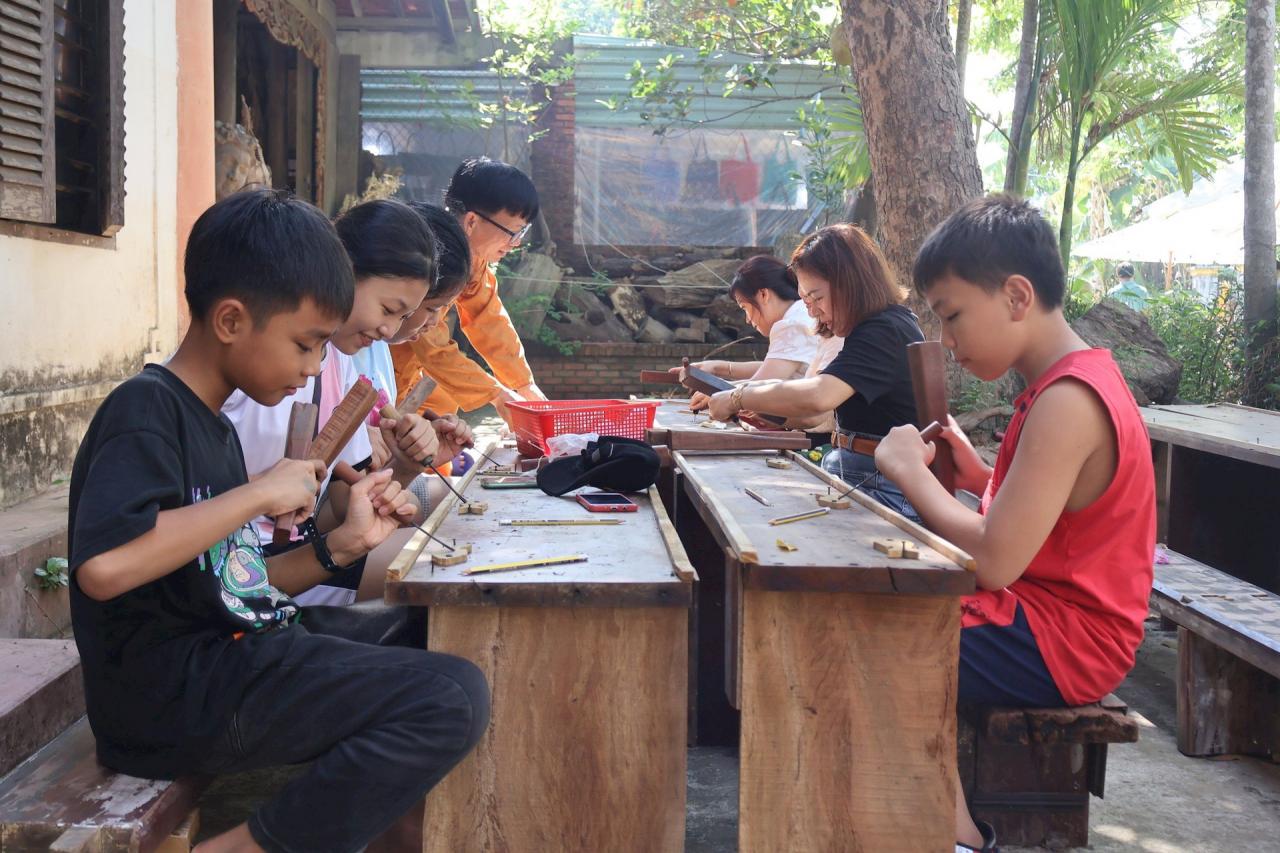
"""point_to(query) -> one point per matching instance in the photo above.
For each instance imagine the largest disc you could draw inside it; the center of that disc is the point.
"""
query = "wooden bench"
(62, 799)
(1030, 771)
(1228, 658)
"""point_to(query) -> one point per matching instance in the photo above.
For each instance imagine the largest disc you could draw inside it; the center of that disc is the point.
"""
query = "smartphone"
(607, 502)
(509, 483)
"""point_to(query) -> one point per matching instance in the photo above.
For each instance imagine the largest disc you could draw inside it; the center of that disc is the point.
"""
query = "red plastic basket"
(534, 421)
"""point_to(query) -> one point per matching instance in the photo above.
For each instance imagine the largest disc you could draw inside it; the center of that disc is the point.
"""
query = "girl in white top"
(765, 288)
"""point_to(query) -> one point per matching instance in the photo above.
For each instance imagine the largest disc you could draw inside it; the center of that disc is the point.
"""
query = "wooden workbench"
(842, 660)
(587, 664)
(1217, 485)
(680, 429)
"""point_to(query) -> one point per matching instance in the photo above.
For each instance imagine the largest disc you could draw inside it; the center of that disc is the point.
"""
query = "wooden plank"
(680, 429)
(41, 693)
(848, 722)
(628, 564)
(834, 551)
(1227, 432)
(1162, 461)
(1225, 706)
(1233, 614)
(679, 559)
(63, 785)
(584, 751)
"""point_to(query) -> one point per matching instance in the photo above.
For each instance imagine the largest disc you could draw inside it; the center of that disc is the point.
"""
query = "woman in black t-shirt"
(846, 284)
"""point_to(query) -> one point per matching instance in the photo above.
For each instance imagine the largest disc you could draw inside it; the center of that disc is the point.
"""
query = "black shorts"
(1002, 665)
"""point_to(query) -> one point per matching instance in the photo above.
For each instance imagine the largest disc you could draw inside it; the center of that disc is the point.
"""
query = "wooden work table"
(587, 664)
(1217, 485)
(842, 660)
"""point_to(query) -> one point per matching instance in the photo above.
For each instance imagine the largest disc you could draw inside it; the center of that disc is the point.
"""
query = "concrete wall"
(410, 49)
(77, 319)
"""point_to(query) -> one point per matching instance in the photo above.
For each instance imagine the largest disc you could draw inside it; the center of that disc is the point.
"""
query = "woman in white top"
(765, 288)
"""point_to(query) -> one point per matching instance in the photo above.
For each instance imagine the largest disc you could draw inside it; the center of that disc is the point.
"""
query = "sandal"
(988, 840)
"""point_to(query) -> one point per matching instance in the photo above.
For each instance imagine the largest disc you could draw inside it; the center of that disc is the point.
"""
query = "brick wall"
(613, 370)
(551, 161)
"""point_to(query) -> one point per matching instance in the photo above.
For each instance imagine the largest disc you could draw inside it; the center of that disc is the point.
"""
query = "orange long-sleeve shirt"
(463, 384)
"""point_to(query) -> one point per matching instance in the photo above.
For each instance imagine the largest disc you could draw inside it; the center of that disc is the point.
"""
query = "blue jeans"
(860, 469)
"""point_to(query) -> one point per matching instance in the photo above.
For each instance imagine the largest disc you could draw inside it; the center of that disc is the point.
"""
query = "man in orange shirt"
(494, 203)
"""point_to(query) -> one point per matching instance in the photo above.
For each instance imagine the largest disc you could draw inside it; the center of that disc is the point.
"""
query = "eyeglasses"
(514, 236)
(810, 298)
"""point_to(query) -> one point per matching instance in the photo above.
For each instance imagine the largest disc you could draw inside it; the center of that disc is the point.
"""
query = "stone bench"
(1030, 771)
(1228, 658)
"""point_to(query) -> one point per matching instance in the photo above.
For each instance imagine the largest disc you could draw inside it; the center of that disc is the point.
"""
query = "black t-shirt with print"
(163, 669)
(873, 362)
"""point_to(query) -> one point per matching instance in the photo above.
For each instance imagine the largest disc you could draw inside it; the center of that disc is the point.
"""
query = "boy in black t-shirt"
(195, 658)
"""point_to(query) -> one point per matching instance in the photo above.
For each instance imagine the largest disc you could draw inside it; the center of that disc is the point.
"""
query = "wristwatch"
(310, 533)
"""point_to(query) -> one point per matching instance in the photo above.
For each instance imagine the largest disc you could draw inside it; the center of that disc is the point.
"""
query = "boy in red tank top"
(1065, 536)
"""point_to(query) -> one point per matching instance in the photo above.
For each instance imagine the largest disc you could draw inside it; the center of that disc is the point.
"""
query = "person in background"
(494, 203)
(1127, 289)
(765, 289)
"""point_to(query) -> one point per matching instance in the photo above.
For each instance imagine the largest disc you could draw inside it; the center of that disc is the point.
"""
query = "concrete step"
(30, 533)
(41, 694)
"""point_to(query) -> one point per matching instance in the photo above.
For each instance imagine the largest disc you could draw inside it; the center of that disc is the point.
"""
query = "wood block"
(473, 508)
(184, 837)
(897, 549)
(786, 546)
(583, 752)
(834, 502)
(778, 462)
(890, 547)
(452, 558)
(867, 767)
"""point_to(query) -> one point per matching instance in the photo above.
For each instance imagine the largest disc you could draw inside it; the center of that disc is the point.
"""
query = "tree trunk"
(964, 9)
(1024, 95)
(1069, 195)
(1259, 192)
(863, 211)
(922, 150)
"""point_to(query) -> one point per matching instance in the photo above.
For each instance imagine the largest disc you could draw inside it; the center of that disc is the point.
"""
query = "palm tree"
(1094, 84)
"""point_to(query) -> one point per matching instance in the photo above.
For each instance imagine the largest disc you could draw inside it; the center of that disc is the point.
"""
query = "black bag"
(702, 177)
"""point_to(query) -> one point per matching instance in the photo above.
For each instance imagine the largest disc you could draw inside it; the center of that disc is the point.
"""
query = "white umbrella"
(1205, 226)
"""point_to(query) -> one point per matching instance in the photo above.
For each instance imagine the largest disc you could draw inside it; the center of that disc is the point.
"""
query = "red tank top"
(1085, 592)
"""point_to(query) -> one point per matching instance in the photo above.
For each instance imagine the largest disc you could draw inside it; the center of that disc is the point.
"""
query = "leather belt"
(855, 442)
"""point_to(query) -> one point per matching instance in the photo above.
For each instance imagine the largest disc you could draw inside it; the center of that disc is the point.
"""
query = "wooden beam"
(441, 8)
(225, 23)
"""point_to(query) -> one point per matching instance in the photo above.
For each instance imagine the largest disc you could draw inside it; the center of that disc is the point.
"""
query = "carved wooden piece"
(927, 360)
(452, 558)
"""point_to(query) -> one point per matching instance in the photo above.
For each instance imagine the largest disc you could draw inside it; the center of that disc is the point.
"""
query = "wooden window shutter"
(27, 175)
(111, 191)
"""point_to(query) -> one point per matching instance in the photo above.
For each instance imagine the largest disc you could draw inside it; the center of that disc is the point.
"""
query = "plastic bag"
(569, 445)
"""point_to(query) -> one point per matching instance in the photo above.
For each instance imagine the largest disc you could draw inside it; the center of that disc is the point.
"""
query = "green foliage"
(831, 131)
(547, 336)
(1207, 338)
(53, 574)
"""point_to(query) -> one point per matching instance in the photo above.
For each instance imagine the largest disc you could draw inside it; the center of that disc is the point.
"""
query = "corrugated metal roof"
(603, 63)
(440, 96)
(436, 96)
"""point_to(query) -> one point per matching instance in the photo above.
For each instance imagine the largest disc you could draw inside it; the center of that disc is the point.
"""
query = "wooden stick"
(675, 549)
(733, 532)
(302, 428)
(928, 537)
(408, 556)
(752, 493)
(526, 564)
(799, 516)
(927, 361)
